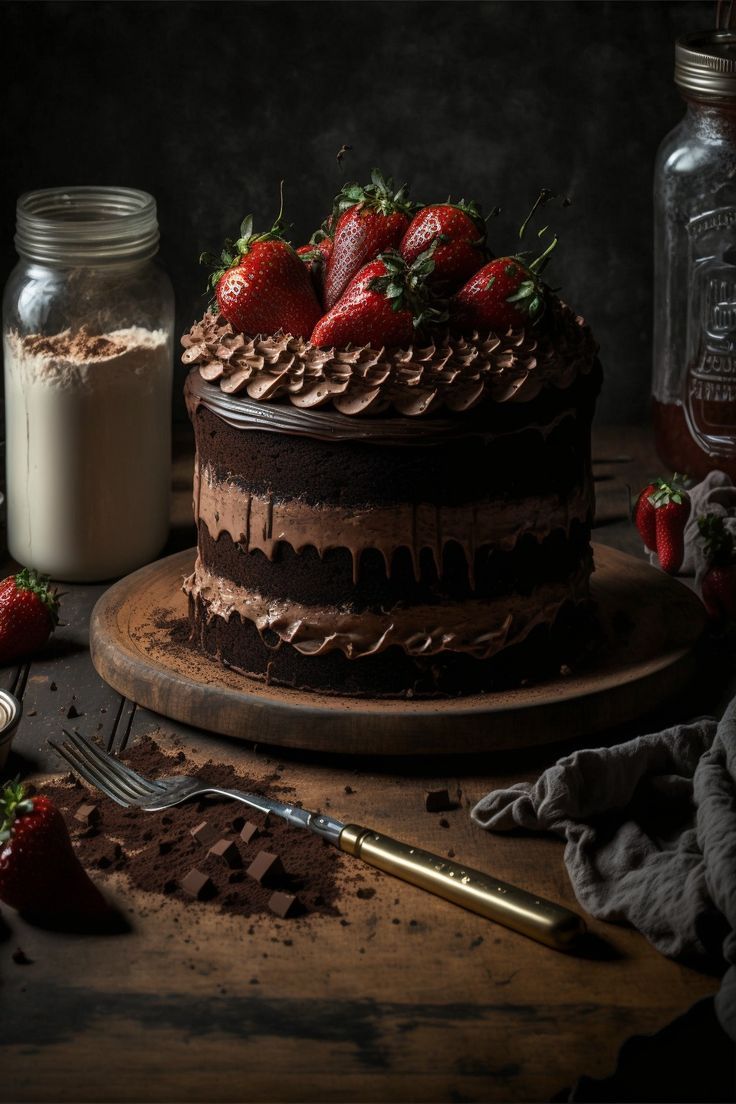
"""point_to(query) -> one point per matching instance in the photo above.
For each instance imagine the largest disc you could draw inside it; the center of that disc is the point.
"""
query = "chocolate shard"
(437, 801)
(227, 851)
(249, 831)
(198, 885)
(283, 904)
(205, 834)
(87, 814)
(266, 868)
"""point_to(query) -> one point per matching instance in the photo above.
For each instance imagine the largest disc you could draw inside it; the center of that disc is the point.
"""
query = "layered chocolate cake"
(394, 522)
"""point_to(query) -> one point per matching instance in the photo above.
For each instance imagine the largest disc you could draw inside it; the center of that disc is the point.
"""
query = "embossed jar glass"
(694, 371)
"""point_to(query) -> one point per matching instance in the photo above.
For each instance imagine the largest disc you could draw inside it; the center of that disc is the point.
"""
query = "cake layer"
(549, 458)
(392, 672)
(308, 576)
(258, 522)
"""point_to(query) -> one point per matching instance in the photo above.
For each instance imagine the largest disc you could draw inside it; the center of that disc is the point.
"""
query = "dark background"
(209, 105)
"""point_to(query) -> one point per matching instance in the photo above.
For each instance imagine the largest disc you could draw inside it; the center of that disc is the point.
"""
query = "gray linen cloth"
(650, 831)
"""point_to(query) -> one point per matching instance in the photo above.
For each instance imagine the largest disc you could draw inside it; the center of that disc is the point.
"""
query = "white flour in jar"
(88, 446)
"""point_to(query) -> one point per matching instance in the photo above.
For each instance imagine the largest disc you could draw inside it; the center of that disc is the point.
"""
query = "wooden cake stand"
(651, 624)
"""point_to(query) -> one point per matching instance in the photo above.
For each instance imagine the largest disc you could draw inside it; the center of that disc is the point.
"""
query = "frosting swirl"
(455, 373)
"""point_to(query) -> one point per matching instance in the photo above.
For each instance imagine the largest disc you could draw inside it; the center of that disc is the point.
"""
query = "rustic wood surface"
(406, 998)
(650, 623)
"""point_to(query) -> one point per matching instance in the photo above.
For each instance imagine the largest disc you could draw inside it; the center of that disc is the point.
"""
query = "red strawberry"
(671, 510)
(40, 875)
(505, 294)
(644, 512)
(718, 585)
(460, 232)
(383, 305)
(262, 286)
(370, 219)
(29, 613)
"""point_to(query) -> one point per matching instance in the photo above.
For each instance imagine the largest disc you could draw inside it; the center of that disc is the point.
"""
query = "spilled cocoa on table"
(156, 851)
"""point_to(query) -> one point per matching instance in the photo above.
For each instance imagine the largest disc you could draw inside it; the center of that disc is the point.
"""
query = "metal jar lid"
(705, 63)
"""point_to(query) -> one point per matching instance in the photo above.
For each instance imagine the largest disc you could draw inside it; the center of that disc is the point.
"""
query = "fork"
(515, 908)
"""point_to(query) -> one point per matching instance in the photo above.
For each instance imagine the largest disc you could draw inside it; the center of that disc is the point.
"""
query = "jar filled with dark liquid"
(694, 377)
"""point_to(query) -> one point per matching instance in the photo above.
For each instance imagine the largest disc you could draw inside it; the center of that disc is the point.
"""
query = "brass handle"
(506, 904)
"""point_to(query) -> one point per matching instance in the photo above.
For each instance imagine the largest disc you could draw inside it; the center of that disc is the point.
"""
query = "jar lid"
(705, 62)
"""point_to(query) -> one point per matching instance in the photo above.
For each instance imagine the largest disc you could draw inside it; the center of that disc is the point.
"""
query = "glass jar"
(694, 377)
(88, 321)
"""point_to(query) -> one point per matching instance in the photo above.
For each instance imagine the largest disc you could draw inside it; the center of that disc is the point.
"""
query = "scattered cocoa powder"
(129, 840)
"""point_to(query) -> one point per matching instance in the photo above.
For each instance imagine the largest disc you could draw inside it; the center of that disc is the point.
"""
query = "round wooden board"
(651, 624)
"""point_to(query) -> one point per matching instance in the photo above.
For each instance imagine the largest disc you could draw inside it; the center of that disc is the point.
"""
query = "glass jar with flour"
(88, 318)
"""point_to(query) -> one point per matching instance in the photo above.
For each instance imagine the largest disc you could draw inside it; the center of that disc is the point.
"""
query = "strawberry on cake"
(393, 487)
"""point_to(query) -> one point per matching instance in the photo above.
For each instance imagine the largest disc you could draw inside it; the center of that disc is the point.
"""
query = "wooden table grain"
(405, 998)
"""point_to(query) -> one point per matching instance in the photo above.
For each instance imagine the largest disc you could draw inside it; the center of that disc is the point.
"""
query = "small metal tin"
(10, 713)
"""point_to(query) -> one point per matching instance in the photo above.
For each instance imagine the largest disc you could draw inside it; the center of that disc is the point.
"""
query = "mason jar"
(694, 372)
(88, 321)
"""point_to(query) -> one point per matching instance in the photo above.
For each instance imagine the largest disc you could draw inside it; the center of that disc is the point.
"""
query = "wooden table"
(407, 998)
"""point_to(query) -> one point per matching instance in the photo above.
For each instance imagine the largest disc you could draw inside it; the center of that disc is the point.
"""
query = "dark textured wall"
(208, 105)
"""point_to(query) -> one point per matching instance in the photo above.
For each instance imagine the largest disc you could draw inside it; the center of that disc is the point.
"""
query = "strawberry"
(507, 293)
(644, 512)
(718, 585)
(671, 510)
(368, 220)
(460, 231)
(315, 256)
(261, 285)
(40, 875)
(504, 295)
(382, 306)
(29, 613)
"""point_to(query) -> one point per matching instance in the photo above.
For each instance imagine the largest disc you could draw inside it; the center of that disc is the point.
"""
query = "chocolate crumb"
(53, 686)
(266, 867)
(444, 822)
(73, 712)
(31, 713)
(88, 815)
(366, 894)
(226, 850)
(283, 904)
(451, 854)
(165, 847)
(20, 958)
(436, 801)
(198, 885)
(349, 790)
(204, 833)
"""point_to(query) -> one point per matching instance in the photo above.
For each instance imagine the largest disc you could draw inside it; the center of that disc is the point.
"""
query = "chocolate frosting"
(258, 522)
(454, 373)
(477, 627)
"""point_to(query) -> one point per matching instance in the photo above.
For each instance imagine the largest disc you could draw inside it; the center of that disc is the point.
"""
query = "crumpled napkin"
(650, 831)
(716, 494)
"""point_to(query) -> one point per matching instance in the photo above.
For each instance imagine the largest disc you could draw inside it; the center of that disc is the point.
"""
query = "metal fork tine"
(89, 774)
(128, 779)
(84, 753)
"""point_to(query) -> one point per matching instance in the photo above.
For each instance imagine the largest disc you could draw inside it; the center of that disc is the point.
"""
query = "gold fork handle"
(542, 920)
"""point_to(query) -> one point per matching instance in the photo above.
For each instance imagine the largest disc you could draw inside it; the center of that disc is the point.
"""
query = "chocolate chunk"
(437, 801)
(205, 834)
(283, 904)
(165, 846)
(87, 814)
(227, 851)
(266, 867)
(20, 958)
(349, 790)
(249, 831)
(72, 712)
(198, 885)
(53, 686)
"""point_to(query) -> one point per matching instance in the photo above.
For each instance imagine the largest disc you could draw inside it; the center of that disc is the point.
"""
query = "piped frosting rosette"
(456, 373)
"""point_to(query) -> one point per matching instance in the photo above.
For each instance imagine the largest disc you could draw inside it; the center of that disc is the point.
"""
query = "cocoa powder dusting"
(79, 345)
(156, 851)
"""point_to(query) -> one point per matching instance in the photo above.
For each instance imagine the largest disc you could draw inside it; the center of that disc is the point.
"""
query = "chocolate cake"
(393, 522)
